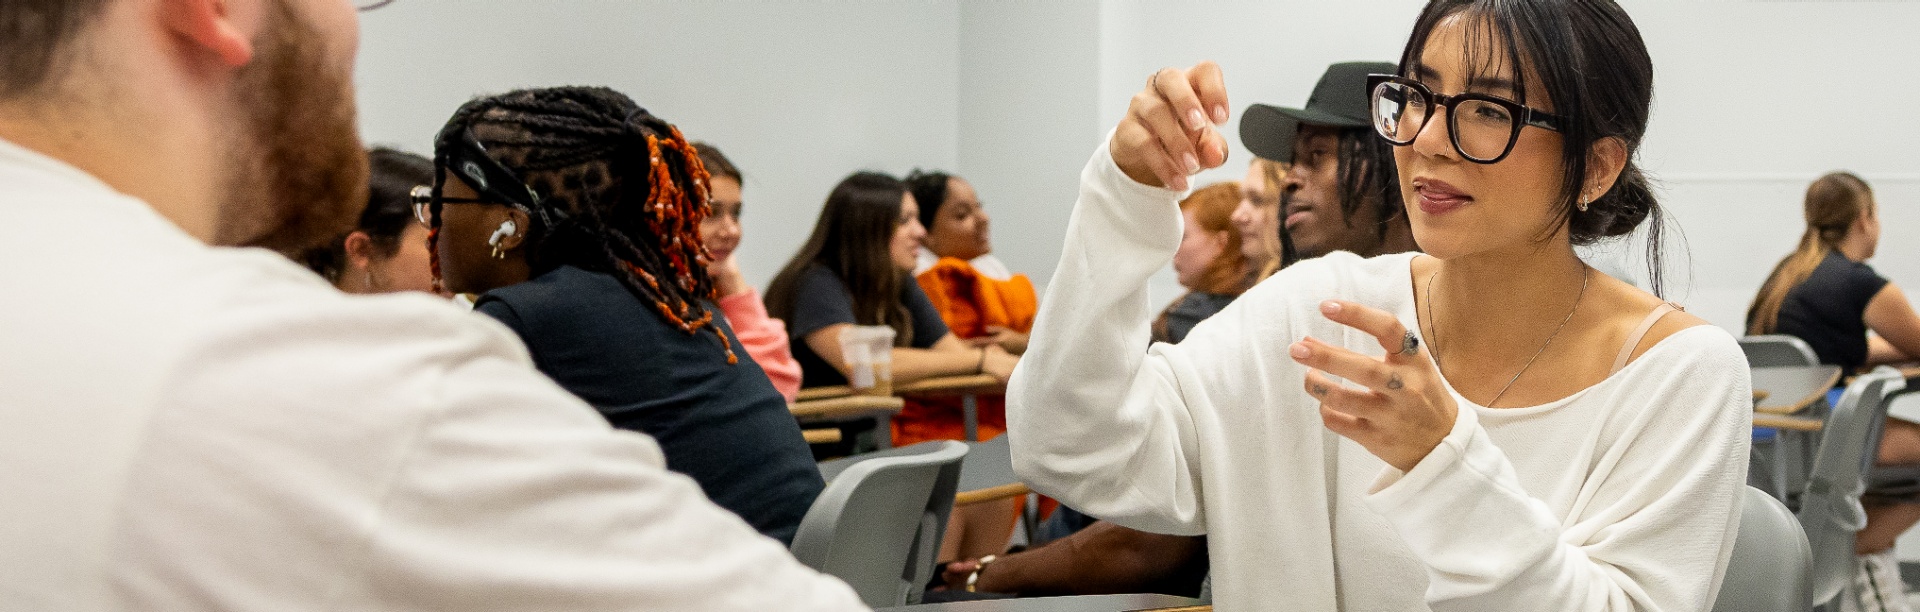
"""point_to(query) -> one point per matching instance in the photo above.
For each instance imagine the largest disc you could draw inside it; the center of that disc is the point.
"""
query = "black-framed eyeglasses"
(422, 196)
(1483, 128)
(368, 5)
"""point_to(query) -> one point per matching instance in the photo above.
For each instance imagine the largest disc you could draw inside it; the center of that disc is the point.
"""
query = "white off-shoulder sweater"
(1623, 496)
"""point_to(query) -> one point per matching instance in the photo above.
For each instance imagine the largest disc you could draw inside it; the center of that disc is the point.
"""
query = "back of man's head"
(37, 39)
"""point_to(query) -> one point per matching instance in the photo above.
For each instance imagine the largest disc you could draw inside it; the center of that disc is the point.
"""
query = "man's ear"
(224, 28)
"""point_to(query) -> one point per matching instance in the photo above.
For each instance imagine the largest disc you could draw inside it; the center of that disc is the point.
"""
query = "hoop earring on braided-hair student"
(575, 215)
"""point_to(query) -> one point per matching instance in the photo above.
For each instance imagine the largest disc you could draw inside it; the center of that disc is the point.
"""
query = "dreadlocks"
(614, 189)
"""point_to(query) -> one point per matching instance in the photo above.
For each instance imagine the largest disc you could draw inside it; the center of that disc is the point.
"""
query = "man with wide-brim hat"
(1342, 192)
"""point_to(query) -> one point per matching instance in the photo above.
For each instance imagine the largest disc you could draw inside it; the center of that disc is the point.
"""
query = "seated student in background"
(243, 436)
(550, 204)
(1257, 216)
(981, 300)
(855, 270)
(1826, 294)
(387, 250)
(1332, 155)
(765, 337)
(1210, 263)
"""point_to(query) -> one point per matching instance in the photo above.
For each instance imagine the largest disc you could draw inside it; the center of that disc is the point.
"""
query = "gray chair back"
(1777, 350)
(1768, 572)
(1830, 508)
(879, 522)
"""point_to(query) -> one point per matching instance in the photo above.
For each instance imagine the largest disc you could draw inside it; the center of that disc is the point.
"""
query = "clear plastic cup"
(868, 350)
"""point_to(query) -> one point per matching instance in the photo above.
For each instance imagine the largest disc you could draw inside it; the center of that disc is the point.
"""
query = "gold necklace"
(1433, 329)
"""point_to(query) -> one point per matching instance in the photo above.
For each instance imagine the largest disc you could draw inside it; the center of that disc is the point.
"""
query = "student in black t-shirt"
(550, 203)
(1826, 294)
(856, 269)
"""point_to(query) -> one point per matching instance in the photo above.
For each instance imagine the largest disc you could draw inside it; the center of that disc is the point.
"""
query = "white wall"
(1753, 100)
(1029, 118)
(798, 94)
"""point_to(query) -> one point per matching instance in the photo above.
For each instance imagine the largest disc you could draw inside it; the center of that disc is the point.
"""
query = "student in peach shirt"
(765, 337)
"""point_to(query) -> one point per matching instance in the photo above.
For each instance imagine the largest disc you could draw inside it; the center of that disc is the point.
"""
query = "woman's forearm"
(913, 364)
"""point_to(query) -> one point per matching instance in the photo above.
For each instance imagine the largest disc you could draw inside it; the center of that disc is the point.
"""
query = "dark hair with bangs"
(1594, 67)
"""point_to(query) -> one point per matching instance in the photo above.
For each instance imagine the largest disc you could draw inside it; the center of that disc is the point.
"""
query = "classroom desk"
(1781, 394)
(987, 474)
(1139, 602)
(1791, 389)
(820, 393)
(1788, 422)
(845, 407)
(1905, 406)
(842, 409)
(969, 388)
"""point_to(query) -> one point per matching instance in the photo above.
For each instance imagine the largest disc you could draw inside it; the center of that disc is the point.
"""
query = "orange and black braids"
(588, 151)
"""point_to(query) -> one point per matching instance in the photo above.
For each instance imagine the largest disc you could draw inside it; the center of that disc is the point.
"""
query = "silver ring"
(1410, 345)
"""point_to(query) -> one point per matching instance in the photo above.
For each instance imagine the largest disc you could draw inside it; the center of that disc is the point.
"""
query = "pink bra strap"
(1640, 333)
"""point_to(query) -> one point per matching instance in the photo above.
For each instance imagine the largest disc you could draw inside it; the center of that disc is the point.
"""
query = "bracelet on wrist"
(978, 566)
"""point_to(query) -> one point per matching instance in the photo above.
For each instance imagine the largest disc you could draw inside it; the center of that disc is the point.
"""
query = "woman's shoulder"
(818, 277)
(1636, 310)
(1683, 342)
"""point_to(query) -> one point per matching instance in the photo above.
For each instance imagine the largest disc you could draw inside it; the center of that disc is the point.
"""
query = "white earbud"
(507, 228)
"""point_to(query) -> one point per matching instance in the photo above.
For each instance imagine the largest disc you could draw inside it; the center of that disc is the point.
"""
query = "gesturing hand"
(1403, 409)
(1166, 135)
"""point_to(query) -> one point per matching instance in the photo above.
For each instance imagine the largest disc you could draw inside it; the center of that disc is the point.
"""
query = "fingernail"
(1179, 183)
(1330, 307)
(1195, 120)
(1219, 115)
(1193, 165)
(1299, 350)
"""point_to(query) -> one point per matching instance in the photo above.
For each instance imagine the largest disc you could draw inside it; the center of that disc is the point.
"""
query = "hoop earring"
(499, 254)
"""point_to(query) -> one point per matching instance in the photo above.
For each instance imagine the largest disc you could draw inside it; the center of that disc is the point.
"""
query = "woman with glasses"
(1489, 426)
(387, 250)
(575, 215)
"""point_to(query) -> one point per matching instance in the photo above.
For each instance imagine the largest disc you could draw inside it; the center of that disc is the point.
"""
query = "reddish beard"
(299, 171)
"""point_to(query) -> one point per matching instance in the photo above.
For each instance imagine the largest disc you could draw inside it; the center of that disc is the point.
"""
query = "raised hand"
(1168, 133)
(1403, 409)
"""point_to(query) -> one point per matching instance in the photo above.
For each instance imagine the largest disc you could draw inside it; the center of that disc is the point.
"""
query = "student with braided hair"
(575, 215)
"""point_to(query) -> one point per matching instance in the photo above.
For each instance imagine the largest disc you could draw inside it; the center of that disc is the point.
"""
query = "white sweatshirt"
(194, 428)
(1623, 496)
